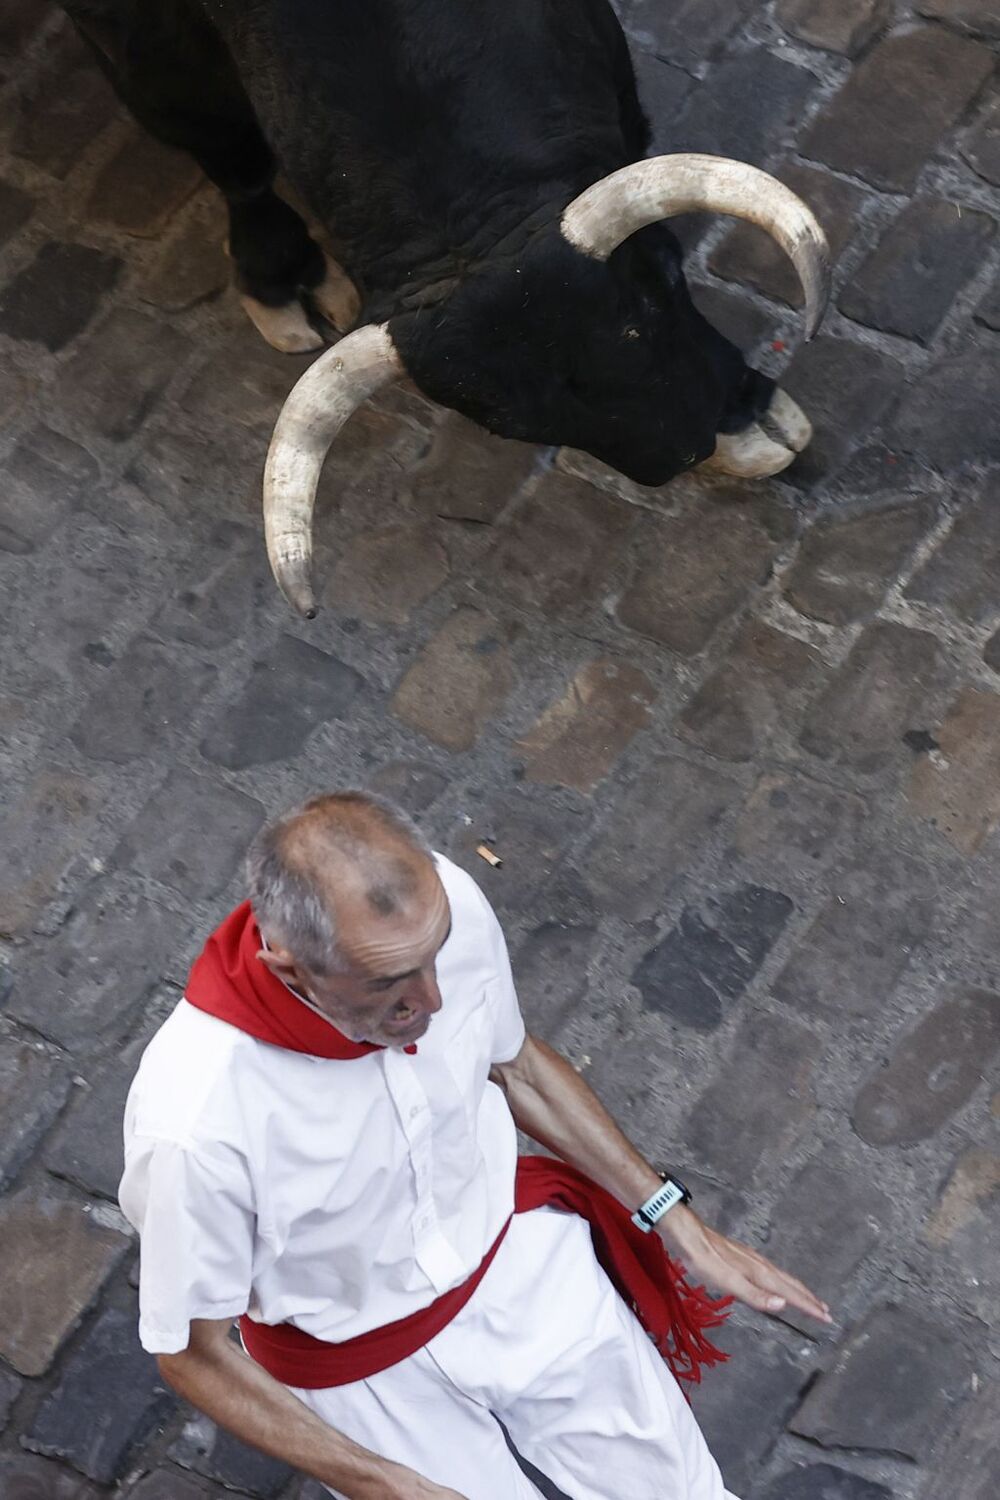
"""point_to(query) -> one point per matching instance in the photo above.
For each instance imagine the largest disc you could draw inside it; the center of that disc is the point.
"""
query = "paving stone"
(33, 1089)
(958, 789)
(653, 832)
(55, 1261)
(982, 148)
(194, 267)
(790, 821)
(550, 971)
(106, 958)
(223, 580)
(384, 575)
(116, 379)
(960, 575)
(696, 570)
(946, 418)
(210, 1451)
(23, 1478)
(191, 834)
(168, 1484)
(824, 1482)
(705, 963)
(880, 692)
(863, 937)
(87, 1146)
(687, 31)
(967, 1468)
(933, 1071)
(530, 839)
(976, 17)
(142, 186)
(891, 1389)
(845, 389)
(749, 255)
(40, 834)
(56, 295)
(109, 1400)
(148, 693)
(412, 784)
(468, 475)
(244, 384)
(459, 681)
(290, 691)
(743, 1410)
(734, 315)
(193, 480)
(581, 735)
(16, 208)
(66, 107)
(827, 1220)
(926, 77)
(760, 1101)
(10, 1389)
(747, 107)
(965, 1229)
(843, 26)
(735, 711)
(846, 565)
(662, 90)
(557, 554)
(923, 260)
(44, 476)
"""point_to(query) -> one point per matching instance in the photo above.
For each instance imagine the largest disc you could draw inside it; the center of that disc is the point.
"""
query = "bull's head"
(579, 346)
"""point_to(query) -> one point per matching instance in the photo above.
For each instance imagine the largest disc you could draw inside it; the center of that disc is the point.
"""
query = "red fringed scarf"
(229, 981)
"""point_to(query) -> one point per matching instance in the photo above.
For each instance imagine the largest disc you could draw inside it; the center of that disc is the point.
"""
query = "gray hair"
(289, 900)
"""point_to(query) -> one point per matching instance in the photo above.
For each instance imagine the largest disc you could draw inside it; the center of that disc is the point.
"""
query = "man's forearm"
(243, 1398)
(551, 1103)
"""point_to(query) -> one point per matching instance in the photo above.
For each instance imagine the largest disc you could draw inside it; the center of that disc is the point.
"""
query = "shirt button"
(414, 1111)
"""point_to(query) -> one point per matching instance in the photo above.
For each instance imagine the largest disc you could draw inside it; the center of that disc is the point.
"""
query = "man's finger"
(782, 1289)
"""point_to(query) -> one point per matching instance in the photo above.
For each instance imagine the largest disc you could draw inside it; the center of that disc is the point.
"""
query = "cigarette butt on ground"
(491, 857)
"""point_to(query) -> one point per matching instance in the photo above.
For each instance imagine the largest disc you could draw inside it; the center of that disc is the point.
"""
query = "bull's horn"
(315, 410)
(603, 216)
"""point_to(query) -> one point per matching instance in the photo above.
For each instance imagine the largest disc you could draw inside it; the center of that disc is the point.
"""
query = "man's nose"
(430, 994)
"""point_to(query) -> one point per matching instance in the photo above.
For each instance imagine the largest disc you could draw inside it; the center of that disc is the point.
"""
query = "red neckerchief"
(229, 981)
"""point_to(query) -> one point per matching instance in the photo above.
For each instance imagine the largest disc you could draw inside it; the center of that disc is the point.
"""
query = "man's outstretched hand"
(735, 1269)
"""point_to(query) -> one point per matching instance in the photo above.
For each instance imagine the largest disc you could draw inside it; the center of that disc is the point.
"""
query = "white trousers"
(547, 1345)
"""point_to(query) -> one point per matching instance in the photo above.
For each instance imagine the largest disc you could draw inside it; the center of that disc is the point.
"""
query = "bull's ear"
(314, 412)
(605, 215)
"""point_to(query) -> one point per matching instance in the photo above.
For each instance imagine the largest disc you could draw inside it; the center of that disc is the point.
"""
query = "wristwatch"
(662, 1201)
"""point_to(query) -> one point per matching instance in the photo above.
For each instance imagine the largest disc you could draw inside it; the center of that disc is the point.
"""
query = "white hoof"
(786, 422)
(749, 454)
(285, 328)
(337, 298)
(765, 447)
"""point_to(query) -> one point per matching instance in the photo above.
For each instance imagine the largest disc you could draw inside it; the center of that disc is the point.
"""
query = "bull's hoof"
(765, 447)
(285, 328)
(337, 298)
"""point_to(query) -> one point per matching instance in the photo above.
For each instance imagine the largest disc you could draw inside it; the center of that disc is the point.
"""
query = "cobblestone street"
(738, 746)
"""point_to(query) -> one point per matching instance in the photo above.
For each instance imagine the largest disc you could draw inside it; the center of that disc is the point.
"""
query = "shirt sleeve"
(508, 1023)
(192, 1206)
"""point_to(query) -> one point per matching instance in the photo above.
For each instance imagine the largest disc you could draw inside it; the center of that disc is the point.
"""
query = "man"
(320, 1142)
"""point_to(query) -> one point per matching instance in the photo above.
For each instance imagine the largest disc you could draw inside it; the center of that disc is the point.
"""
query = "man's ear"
(281, 964)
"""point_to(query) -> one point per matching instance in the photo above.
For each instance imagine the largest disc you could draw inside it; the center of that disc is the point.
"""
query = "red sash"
(230, 982)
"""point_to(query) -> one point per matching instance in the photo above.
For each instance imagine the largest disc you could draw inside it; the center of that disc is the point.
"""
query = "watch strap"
(649, 1214)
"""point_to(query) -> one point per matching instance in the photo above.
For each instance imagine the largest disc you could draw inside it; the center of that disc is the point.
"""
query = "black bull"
(477, 166)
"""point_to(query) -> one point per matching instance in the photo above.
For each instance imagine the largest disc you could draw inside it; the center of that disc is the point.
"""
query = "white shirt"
(335, 1195)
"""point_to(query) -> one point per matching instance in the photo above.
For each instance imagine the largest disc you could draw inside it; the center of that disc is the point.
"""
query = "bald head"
(329, 868)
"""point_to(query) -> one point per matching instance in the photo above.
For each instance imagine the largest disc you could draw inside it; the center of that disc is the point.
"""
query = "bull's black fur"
(439, 141)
